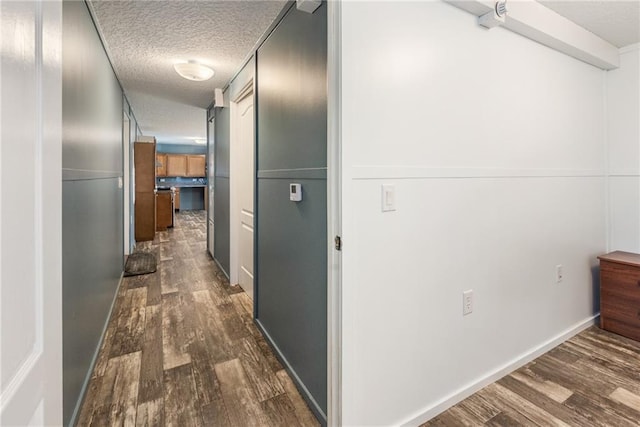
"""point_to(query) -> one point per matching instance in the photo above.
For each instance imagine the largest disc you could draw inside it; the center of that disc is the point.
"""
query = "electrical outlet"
(467, 302)
(559, 273)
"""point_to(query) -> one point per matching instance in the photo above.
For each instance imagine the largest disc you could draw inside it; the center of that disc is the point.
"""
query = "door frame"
(234, 220)
(126, 160)
(334, 214)
(211, 175)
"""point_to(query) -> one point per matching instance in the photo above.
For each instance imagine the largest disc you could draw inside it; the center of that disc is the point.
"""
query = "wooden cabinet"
(164, 210)
(620, 293)
(196, 165)
(180, 165)
(144, 157)
(161, 164)
(176, 165)
(176, 200)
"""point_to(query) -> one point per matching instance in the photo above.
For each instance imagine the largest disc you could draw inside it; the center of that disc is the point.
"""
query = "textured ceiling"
(145, 38)
(616, 21)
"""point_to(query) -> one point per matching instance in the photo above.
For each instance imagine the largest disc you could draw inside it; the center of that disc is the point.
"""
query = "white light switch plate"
(388, 197)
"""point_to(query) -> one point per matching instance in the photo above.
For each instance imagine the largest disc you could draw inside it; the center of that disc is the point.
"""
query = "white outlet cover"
(559, 273)
(467, 302)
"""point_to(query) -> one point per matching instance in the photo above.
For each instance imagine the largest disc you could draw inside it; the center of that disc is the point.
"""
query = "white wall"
(623, 138)
(496, 148)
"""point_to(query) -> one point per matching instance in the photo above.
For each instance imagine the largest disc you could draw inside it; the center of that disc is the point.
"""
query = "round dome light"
(193, 70)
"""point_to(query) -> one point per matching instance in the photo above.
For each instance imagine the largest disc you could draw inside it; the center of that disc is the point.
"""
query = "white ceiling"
(616, 21)
(145, 38)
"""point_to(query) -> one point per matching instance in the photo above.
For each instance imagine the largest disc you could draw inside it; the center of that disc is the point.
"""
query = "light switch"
(388, 197)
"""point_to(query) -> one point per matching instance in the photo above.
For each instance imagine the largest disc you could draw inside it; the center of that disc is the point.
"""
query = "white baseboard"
(469, 389)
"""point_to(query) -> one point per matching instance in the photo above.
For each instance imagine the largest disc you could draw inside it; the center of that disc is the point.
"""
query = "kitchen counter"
(181, 182)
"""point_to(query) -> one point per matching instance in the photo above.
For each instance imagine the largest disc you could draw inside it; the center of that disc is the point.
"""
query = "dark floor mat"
(140, 263)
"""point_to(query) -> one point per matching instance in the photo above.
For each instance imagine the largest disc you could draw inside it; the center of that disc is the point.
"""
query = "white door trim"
(126, 142)
(334, 215)
(234, 204)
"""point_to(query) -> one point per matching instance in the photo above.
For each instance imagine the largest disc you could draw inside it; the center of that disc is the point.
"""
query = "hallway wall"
(495, 145)
(623, 140)
(92, 197)
(291, 276)
(221, 190)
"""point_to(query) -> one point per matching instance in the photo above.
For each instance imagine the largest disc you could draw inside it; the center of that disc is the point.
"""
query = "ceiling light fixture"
(193, 70)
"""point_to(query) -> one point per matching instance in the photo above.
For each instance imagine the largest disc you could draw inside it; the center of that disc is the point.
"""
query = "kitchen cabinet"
(196, 165)
(620, 293)
(164, 210)
(144, 157)
(176, 199)
(161, 164)
(176, 165)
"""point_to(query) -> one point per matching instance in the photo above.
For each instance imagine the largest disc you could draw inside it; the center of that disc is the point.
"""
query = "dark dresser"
(620, 293)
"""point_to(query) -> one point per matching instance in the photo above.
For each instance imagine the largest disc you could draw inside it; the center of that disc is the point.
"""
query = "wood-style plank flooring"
(181, 348)
(593, 379)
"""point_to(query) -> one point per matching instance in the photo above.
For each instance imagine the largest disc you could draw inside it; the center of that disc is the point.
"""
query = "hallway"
(181, 348)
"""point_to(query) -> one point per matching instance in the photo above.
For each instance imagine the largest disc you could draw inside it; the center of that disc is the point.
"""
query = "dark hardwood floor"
(593, 379)
(181, 348)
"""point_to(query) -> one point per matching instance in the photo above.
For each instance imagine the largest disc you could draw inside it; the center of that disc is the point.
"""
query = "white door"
(245, 177)
(31, 213)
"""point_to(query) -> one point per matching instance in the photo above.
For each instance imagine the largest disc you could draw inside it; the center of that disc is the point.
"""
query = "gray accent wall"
(291, 256)
(92, 200)
(221, 191)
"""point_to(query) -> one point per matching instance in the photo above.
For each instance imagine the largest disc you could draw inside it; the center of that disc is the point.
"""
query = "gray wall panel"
(91, 98)
(222, 223)
(291, 270)
(223, 140)
(92, 229)
(92, 205)
(292, 263)
(292, 91)
(221, 202)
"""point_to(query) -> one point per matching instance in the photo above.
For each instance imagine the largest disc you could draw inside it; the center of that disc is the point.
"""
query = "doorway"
(242, 185)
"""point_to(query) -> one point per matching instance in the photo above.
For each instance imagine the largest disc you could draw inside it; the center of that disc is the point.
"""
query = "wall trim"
(307, 173)
(630, 48)
(624, 174)
(333, 174)
(469, 389)
(426, 172)
(85, 174)
(221, 268)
